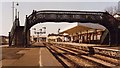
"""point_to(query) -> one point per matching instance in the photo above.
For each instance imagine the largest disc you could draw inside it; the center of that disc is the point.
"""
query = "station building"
(80, 33)
(55, 38)
(38, 38)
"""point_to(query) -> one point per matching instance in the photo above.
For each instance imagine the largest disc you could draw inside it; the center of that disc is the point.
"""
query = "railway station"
(93, 41)
(81, 33)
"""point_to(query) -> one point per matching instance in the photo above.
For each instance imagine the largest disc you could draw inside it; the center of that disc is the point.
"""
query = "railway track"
(70, 56)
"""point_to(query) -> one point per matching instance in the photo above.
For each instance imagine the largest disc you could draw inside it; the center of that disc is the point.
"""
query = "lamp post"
(40, 31)
(34, 31)
(16, 9)
(40, 34)
(13, 7)
(37, 36)
(44, 29)
(58, 30)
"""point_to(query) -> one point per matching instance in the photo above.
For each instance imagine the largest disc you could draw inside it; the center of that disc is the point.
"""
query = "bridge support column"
(18, 38)
(114, 37)
(9, 40)
(26, 38)
(118, 37)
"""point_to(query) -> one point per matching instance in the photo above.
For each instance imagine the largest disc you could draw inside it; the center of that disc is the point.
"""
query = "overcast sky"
(26, 8)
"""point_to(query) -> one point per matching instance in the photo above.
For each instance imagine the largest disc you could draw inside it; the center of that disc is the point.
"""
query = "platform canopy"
(82, 27)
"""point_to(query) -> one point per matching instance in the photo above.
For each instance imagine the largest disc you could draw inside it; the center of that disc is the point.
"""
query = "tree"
(112, 10)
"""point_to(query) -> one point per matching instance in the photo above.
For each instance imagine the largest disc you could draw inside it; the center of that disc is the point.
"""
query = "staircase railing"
(12, 32)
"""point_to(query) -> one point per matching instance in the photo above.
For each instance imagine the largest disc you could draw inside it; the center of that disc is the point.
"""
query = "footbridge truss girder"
(102, 18)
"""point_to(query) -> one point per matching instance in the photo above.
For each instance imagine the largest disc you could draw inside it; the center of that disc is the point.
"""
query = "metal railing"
(12, 32)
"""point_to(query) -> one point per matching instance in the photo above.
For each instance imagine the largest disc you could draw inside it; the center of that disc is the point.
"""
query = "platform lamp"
(38, 36)
(58, 30)
(40, 33)
(44, 30)
(34, 30)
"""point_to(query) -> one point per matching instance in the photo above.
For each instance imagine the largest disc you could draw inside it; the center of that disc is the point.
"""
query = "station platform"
(31, 57)
(79, 44)
(111, 51)
(92, 45)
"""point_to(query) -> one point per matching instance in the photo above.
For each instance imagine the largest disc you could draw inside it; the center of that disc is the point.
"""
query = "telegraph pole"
(13, 11)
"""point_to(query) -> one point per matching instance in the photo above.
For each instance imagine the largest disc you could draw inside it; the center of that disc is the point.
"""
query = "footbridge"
(20, 35)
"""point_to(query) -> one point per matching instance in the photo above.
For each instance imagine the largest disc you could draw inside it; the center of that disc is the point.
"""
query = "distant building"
(4, 40)
(55, 38)
(42, 38)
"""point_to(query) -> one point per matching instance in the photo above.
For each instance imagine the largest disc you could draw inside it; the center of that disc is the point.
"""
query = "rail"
(92, 56)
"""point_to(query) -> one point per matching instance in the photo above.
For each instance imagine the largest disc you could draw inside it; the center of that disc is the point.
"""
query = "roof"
(54, 35)
(4, 37)
(81, 27)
